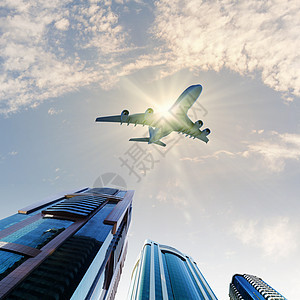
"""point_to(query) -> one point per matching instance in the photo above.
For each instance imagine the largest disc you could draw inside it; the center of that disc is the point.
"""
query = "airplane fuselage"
(169, 123)
(157, 134)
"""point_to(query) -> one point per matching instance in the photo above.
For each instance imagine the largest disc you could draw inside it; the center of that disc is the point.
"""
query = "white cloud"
(244, 36)
(4, 157)
(53, 111)
(271, 151)
(245, 231)
(62, 24)
(260, 131)
(168, 197)
(276, 150)
(276, 237)
(193, 159)
(13, 153)
(216, 155)
(41, 58)
(51, 48)
(173, 193)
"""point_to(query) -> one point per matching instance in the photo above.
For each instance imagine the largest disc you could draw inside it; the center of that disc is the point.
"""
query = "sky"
(232, 204)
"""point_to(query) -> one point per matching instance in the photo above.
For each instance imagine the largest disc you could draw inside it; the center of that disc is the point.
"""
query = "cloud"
(48, 49)
(216, 155)
(276, 237)
(192, 159)
(260, 131)
(271, 151)
(276, 151)
(167, 197)
(62, 24)
(13, 153)
(53, 111)
(247, 37)
(174, 196)
(173, 193)
(6, 156)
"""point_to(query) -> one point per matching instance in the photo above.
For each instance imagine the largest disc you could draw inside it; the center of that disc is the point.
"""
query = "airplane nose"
(197, 89)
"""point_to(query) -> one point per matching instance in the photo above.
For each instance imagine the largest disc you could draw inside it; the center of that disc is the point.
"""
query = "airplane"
(161, 125)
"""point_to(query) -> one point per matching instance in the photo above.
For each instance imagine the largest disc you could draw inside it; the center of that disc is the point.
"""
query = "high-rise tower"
(162, 272)
(69, 247)
(249, 287)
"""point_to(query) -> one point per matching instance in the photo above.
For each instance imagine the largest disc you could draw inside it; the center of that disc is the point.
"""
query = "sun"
(154, 90)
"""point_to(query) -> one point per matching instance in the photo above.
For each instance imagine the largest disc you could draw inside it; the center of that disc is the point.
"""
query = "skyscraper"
(72, 246)
(249, 287)
(162, 272)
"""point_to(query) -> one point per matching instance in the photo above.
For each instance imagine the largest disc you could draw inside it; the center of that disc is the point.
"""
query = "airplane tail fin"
(147, 140)
(151, 131)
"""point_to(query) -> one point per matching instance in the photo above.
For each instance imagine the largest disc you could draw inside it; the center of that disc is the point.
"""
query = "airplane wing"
(186, 100)
(136, 119)
(196, 134)
(201, 136)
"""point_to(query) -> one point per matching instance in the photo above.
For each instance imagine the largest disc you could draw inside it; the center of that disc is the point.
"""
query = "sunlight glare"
(157, 92)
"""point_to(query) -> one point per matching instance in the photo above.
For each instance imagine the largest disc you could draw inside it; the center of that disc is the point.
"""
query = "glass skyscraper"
(249, 287)
(72, 246)
(162, 272)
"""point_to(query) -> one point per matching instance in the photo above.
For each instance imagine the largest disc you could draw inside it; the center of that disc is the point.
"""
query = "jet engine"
(198, 124)
(206, 131)
(124, 115)
(148, 114)
(149, 111)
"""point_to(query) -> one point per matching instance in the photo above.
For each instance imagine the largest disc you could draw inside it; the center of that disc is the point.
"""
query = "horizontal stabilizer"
(139, 140)
(116, 119)
(160, 143)
(147, 141)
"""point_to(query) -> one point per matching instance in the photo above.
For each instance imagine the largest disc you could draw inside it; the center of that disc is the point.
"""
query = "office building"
(249, 287)
(71, 246)
(163, 272)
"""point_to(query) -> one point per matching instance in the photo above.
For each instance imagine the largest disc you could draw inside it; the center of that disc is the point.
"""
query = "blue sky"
(231, 204)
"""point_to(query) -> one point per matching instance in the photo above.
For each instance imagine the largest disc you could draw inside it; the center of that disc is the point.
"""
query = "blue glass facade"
(145, 275)
(38, 232)
(71, 248)
(158, 289)
(163, 272)
(7, 262)
(250, 287)
(168, 279)
(9, 221)
(181, 281)
(91, 229)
